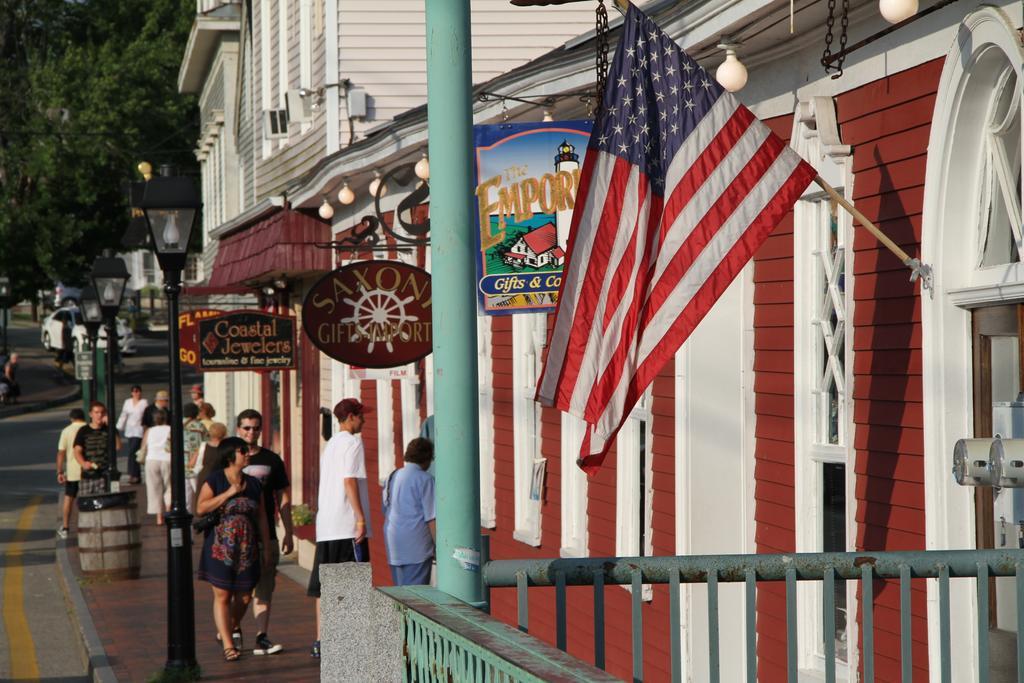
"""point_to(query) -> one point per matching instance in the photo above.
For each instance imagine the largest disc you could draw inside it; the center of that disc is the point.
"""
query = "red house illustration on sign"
(538, 248)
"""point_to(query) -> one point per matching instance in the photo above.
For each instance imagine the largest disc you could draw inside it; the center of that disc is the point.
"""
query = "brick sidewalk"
(131, 617)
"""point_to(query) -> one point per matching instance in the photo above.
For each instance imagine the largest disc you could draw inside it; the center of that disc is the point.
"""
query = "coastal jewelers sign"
(371, 314)
(247, 340)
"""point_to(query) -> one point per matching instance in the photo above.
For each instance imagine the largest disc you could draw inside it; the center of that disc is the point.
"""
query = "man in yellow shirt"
(69, 471)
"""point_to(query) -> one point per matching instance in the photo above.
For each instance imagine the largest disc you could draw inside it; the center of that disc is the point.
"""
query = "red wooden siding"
(887, 122)
(774, 514)
(601, 517)
(309, 366)
(371, 443)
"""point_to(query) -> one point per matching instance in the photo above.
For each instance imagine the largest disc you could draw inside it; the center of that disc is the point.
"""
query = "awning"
(281, 245)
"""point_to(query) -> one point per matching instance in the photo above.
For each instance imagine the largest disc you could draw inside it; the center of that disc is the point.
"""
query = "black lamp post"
(92, 317)
(171, 204)
(5, 298)
(109, 277)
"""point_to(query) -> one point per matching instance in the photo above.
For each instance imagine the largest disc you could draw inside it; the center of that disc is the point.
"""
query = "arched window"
(999, 221)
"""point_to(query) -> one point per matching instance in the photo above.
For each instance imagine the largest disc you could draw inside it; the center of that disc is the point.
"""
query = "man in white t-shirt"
(343, 505)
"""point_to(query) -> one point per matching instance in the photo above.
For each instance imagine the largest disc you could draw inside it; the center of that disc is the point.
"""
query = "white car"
(53, 340)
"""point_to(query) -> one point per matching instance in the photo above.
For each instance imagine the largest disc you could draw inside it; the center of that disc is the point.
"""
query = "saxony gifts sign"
(371, 314)
(247, 340)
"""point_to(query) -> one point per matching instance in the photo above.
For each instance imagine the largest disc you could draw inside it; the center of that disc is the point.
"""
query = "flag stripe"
(595, 183)
(709, 266)
(623, 273)
(739, 170)
(723, 209)
(587, 339)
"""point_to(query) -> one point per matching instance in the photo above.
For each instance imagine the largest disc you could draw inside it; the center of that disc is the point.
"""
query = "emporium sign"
(527, 175)
(247, 340)
(371, 314)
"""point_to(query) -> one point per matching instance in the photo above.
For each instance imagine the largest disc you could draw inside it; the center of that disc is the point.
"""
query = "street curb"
(22, 409)
(100, 670)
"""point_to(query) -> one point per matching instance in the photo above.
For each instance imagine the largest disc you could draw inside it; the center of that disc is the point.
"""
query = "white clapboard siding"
(273, 170)
(382, 46)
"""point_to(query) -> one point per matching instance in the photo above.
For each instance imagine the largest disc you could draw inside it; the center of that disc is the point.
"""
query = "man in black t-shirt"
(268, 467)
(92, 451)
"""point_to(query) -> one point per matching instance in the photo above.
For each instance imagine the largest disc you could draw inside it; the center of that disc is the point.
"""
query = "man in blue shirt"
(409, 516)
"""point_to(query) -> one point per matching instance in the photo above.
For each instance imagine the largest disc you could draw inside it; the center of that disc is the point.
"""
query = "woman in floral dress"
(231, 557)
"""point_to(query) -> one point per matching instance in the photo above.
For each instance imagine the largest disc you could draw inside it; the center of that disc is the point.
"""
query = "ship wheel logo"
(379, 315)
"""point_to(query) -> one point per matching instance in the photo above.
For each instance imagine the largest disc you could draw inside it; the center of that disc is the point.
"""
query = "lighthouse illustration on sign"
(526, 187)
(545, 246)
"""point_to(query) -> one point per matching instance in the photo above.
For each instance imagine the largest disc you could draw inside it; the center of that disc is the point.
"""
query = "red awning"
(282, 244)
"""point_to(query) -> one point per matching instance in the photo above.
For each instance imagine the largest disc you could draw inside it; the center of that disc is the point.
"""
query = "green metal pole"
(456, 416)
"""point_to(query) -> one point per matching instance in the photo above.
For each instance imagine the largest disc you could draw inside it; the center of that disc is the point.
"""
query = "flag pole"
(918, 269)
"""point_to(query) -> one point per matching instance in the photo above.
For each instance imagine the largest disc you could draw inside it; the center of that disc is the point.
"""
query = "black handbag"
(207, 521)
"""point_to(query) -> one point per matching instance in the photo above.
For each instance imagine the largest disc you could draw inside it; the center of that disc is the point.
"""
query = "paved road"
(37, 638)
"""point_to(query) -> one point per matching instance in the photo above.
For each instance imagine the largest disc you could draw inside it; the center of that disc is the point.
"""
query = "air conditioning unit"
(275, 124)
(300, 109)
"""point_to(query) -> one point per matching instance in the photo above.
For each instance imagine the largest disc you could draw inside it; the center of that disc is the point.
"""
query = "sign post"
(450, 131)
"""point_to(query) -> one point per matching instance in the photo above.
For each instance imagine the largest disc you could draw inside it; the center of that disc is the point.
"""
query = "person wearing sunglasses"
(268, 468)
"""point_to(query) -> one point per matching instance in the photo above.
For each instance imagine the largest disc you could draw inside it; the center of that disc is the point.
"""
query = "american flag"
(679, 188)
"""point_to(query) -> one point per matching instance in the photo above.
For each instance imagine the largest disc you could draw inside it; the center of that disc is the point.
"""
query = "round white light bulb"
(423, 168)
(377, 186)
(345, 195)
(731, 73)
(895, 11)
(326, 211)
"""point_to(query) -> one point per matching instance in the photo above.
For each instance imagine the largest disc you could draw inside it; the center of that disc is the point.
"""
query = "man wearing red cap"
(343, 515)
(196, 393)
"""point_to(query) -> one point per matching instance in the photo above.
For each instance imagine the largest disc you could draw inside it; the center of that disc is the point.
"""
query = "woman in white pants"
(157, 445)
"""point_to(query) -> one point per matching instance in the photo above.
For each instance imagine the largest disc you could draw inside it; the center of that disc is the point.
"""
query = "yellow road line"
(19, 638)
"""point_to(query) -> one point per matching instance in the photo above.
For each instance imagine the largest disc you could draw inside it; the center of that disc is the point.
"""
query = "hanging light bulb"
(345, 195)
(895, 11)
(172, 235)
(377, 188)
(109, 296)
(423, 168)
(548, 116)
(326, 211)
(731, 73)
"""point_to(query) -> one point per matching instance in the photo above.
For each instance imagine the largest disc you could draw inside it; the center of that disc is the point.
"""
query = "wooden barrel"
(110, 540)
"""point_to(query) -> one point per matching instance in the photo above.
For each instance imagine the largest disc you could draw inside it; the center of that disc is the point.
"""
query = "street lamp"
(5, 298)
(109, 277)
(92, 316)
(171, 205)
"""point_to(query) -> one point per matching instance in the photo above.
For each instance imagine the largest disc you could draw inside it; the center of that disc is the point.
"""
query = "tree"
(88, 89)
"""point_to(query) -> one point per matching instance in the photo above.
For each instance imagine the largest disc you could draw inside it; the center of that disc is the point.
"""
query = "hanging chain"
(601, 51)
(830, 23)
(844, 25)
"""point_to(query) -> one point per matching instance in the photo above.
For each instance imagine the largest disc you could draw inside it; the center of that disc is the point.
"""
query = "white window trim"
(816, 138)
(282, 62)
(385, 431)
(627, 486)
(945, 320)
(574, 489)
(265, 102)
(528, 336)
(488, 509)
(305, 50)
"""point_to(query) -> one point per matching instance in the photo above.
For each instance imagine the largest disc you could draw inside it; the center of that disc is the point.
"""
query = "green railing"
(451, 641)
(752, 569)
